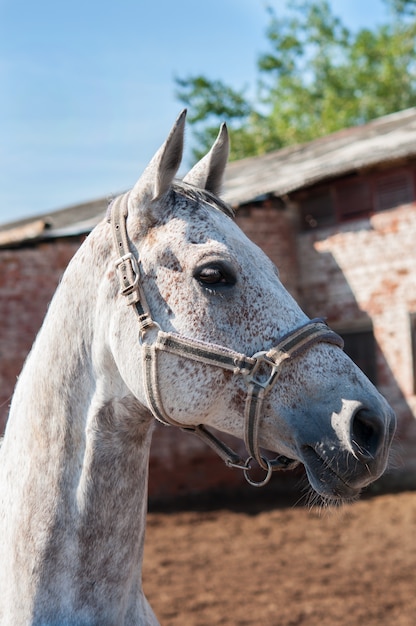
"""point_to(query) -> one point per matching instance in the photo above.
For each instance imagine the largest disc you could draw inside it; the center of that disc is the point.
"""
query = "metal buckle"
(127, 289)
(261, 361)
(145, 324)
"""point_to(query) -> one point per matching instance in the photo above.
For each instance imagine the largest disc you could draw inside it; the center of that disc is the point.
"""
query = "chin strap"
(260, 371)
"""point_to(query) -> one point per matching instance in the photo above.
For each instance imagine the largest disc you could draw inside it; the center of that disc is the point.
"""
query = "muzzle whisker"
(362, 450)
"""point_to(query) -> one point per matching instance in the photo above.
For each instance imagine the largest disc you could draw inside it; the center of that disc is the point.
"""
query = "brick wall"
(28, 279)
(353, 273)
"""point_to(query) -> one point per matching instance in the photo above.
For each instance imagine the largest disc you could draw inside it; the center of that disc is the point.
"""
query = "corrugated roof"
(385, 139)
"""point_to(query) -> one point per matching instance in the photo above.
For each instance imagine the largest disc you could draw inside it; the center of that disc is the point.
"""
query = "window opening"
(361, 348)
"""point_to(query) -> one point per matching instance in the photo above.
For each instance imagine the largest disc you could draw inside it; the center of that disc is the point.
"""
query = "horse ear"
(159, 174)
(208, 173)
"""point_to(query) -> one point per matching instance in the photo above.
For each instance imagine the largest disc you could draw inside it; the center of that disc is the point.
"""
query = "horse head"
(222, 342)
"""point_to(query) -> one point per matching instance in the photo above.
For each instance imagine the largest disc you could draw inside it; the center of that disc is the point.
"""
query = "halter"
(260, 371)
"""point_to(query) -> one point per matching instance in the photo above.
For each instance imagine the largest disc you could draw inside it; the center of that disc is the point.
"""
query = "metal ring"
(260, 483)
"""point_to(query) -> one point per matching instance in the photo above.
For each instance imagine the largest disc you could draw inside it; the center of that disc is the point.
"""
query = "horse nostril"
(366, 434)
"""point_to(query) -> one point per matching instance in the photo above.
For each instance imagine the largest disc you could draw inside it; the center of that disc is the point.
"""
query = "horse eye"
(213, 275)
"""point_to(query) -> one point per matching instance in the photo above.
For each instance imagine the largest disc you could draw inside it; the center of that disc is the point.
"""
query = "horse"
(167, 311)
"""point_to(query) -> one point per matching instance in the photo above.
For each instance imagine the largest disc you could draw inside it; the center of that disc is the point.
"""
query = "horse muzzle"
(353, 454)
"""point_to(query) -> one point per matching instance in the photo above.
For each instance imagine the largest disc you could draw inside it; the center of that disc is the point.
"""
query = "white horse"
(167, 310)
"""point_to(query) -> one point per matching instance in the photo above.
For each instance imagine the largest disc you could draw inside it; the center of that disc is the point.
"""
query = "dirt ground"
(256, 562)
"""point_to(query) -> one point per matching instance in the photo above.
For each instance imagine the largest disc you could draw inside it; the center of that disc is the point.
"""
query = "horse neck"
(81, 453)
(59, 386)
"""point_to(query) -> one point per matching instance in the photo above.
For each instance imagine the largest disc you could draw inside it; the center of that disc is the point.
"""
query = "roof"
(281, 172)
(385, 139)
(71, 221)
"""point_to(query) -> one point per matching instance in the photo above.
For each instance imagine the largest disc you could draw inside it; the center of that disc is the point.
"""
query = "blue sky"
(87, 86)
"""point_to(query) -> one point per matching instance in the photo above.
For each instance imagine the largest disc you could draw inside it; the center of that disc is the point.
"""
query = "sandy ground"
(259, 561)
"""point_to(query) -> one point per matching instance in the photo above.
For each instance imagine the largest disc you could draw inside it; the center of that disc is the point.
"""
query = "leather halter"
(259, 371)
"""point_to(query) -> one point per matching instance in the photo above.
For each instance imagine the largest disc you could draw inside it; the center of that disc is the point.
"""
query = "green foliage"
(315, 78)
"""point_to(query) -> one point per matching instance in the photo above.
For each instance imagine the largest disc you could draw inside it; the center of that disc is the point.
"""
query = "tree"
(316, 77)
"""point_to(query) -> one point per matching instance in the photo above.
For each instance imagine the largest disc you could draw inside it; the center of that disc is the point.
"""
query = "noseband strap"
(260, 371)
